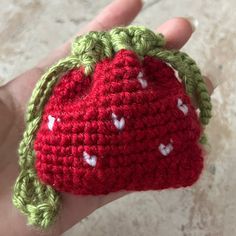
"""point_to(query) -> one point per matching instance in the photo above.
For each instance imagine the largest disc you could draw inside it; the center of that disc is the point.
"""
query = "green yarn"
(36, 200)
(39, 202)
(203, 139)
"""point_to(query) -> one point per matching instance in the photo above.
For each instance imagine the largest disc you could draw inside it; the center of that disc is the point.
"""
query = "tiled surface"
(30, 29)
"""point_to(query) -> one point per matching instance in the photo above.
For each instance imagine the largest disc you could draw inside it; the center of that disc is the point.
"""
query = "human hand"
(13, 101)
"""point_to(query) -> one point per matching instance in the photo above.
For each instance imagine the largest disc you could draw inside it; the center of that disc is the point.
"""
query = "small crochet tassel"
(116, 114)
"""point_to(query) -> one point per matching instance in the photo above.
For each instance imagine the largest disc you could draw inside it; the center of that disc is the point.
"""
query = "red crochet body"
(129, 126)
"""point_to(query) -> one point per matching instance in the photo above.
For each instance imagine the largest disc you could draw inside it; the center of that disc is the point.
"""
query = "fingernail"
(193, 21)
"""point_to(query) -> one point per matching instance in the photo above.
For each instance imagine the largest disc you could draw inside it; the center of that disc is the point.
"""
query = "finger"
(177, 31)
(119, 12)
(209, 84)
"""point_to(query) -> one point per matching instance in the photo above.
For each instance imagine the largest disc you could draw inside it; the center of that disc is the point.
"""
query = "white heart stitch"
(165, 149)
(91, 160)
(175, 71)
(142, 81)
(119, 124)
(182, 107)
(51, 121)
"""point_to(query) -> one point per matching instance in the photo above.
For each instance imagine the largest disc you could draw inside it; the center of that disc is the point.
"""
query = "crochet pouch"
(116, 114)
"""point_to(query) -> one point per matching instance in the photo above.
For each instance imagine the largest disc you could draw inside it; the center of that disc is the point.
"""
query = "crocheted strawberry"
(114, 115)
(131, 126)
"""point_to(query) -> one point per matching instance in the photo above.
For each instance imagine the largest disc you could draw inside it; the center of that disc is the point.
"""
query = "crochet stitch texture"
(114, 115)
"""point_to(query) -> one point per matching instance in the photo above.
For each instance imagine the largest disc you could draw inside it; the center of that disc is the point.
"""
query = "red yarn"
(124, 155)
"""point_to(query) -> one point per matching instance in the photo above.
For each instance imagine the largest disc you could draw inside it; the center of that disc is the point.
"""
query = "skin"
(13, 102)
